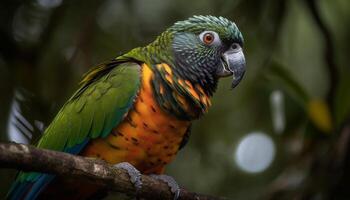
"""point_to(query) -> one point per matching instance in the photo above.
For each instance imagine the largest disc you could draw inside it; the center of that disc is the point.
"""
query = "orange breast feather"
(147, 138)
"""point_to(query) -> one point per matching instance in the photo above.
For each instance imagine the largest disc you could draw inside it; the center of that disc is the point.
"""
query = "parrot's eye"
(210, 38)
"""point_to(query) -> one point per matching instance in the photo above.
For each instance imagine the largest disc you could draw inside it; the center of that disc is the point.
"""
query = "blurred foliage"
(299, 48)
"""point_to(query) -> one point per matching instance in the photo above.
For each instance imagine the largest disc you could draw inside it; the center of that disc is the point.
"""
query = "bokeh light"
(277, 111)
(255, 152)
(48, 4)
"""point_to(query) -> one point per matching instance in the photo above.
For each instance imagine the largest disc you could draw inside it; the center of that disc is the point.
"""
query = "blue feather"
(38, 186)
(18, 190)
(77, 148)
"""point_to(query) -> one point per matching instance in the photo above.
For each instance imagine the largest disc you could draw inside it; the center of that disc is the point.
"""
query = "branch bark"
(25, 157)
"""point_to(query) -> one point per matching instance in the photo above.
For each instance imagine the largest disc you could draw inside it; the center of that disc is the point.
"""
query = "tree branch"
(98, 172)
(329, 51)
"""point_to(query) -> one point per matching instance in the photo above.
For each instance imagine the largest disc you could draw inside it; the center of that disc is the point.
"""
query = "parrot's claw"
(135, 175)
(170, 181)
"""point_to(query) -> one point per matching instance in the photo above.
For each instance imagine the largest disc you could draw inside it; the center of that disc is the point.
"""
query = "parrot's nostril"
(235, 46)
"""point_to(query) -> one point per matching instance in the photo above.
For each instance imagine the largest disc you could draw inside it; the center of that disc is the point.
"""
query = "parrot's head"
(206, 48)
(189, 58)
(200, 49)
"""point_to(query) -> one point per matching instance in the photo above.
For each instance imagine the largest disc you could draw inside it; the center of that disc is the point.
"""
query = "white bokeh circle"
(255, 152)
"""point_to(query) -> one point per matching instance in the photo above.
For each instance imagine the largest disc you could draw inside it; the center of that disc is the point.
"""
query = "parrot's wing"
(97, 107)
(106, 95)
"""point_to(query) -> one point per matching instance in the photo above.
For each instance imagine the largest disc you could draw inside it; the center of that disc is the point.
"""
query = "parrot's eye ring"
(209, 38)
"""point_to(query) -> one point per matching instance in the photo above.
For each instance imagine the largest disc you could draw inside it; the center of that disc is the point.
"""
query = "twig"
(25, 157)
(329, 51)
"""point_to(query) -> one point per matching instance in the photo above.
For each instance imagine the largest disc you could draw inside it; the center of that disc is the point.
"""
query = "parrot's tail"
(29, 190)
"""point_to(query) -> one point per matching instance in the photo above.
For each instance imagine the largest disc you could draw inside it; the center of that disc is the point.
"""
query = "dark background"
(291, 110)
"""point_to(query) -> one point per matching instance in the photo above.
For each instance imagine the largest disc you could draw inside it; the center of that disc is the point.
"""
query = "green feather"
(94, 110)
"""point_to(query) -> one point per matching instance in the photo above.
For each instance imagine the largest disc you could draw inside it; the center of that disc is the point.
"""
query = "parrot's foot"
(135, 175)
(170, 181)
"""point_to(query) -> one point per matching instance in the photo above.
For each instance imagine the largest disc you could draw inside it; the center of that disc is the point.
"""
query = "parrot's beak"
(233, 63)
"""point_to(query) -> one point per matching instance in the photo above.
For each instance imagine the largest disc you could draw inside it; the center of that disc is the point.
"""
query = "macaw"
(136, 110)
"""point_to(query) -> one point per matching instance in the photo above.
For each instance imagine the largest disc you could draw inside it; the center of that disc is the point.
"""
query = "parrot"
(135, 111)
